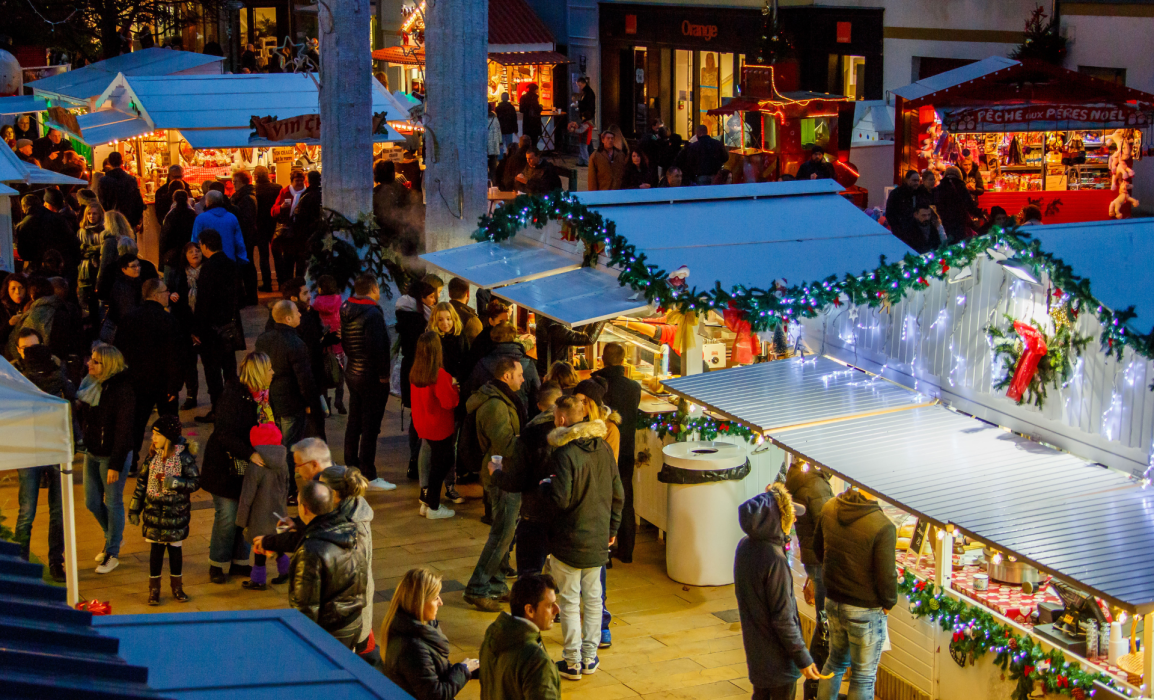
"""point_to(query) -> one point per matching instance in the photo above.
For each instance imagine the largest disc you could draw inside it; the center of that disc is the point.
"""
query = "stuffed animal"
(1121, 162)
(1124, 203)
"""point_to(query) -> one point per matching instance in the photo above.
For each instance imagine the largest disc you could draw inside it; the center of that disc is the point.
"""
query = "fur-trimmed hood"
(585, 430)
(768, 516)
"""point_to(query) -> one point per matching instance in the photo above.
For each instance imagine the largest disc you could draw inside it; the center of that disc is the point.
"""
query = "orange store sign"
(700, 31)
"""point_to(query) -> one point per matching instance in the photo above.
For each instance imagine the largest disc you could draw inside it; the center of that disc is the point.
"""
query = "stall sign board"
(282, 155)
(918, 541)
(1043, 118)
(306, 126)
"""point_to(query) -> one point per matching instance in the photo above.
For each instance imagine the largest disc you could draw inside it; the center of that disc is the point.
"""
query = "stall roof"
(955, 77)
(242, 138)
(1113, 255)
(84, 83)
(106, 125)
(400, 55)
(12, 169)
(777, 396)
(1085, 524)
(576, 297)
(514, 22)
(22, 104)
(747, 234)
(528, 58)
(495, 264)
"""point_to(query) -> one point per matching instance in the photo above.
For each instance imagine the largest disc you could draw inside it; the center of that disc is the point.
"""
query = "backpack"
(469, 452)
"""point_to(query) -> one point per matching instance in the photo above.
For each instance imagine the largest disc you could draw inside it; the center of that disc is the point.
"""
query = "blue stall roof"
(22, 104)
(747, 234)
(85, 83)
(1114, 255)
(271, 654)
(490, 264)
(776, 396)
(577, 297)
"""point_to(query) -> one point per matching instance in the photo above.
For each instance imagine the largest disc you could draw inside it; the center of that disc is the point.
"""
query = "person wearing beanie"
(24, 152)
(264, 500)
(163, 496)
(775, 649)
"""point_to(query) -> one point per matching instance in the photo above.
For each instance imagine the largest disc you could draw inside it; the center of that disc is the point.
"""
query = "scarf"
(522, 413)
(90, 390)
(263, 409)
(192, 274)
(159, 468)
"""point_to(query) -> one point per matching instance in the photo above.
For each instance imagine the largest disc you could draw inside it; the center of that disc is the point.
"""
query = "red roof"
(400, 55)
(514, 22)
(529, 58)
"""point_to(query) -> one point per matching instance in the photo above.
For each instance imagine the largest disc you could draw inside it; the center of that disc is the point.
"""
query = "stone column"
(456, 178)
(346, 107)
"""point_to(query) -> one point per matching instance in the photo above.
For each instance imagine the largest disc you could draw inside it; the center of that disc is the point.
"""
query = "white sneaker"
(424, 510)
(380, 484)
(107, 565)
(439, 513)
(99, 557)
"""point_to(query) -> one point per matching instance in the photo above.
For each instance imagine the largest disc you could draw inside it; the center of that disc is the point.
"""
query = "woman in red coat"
(434, 396)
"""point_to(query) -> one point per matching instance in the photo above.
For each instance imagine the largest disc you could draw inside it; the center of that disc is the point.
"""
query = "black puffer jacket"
(855, 542)
(775, 649)
(150, 339)
(108, 425)
(411, 323)
(165, 518)
(527, 466)
(327, 577)
(365, 340)
(244, 201)
(293, 386)
(417, 659)
(811, 489)
(555, 339)
(483, 372)
(586, 494)
(41, 368)
(235, 417)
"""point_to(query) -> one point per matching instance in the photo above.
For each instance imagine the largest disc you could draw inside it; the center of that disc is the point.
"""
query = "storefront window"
(853, 76)
(816, 132)
(683, 91)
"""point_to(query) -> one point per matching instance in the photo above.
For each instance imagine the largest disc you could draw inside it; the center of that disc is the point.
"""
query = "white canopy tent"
(36, 429)
(12, 169)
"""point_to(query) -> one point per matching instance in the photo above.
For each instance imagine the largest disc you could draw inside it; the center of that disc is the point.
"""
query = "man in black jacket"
(118, 190)
(293, 389)
(775, 650)
(704, 157)
(266, 196)
(504, 337)
(215, 311)
(149, 339)
(810, 487)
(585, 491)
(244, 206)
(555, 339)
(327, 576)
(459, 297)
(624, 396)
(42, 230)
(507, 117)
(366, 343)
(50, 150)
(815, 168)
(164, 193)
(855, 542)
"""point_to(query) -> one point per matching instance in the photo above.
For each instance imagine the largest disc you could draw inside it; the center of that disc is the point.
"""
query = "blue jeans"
(813, 571)
(507, 140)
(583, 154)
(487, 580)
(226, 544)
(29, 495)
(106, 501)
(856, 636)
(292, 429)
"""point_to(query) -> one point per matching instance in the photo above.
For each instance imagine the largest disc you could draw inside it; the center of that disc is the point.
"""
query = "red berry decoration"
(945, 266)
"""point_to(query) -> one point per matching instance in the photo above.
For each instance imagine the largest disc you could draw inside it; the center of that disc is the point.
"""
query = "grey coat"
(264, 493)
(360, 513)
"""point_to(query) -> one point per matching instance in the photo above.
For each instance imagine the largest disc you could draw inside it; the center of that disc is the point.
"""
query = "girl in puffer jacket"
(264, 499)
(163, 494)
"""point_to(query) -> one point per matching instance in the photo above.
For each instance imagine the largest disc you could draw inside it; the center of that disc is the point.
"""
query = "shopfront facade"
(678, 62)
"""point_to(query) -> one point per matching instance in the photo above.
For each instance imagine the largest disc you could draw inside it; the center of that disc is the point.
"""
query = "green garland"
(977, 632)
(769, 308)
(682, 426)
(1055, 367)
(335, 249)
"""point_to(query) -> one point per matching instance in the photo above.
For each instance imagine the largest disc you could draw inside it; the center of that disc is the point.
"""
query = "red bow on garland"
(745, 347)
(1035, 349)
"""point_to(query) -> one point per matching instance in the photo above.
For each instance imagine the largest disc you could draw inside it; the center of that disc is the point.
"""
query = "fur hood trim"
(583, 430)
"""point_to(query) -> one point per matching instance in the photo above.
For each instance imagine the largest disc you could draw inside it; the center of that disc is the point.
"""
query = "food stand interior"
(1037, 130)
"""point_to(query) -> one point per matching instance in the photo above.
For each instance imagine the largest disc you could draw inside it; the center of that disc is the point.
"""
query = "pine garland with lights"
(977, 632)
(334, 250)
(1064, 346)
(770, 307)
(681, 426)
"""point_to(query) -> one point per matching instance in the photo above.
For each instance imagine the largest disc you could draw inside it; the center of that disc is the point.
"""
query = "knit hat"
(21, 143)
(265, 434)
(168, 426)
(594, 388)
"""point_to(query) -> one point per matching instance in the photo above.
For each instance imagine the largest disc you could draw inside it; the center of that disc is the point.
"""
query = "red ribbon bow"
(745, 347)
(95, 607)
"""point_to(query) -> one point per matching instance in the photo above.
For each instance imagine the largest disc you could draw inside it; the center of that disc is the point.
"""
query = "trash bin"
(704, 492)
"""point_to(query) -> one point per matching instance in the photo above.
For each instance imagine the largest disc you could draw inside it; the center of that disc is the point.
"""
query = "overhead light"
(1020, 270)
(961, 275)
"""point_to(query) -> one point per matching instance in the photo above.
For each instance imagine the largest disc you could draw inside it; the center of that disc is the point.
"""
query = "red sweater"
(433, 407)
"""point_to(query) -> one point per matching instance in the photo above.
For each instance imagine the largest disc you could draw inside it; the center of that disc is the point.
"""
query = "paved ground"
(670, 641)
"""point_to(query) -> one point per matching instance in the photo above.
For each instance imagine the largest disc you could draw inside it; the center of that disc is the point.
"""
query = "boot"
(282, 570)
(216, 574)
(240, 570)
(258, 580)
(154, 590)
(340, 404)
(178, 593)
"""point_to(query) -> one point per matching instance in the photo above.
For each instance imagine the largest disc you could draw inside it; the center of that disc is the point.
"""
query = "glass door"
(683, 94)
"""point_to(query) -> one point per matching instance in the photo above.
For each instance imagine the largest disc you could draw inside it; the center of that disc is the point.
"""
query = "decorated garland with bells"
(976, 632)
(776, 304)
(1037, 360)
(681, 426)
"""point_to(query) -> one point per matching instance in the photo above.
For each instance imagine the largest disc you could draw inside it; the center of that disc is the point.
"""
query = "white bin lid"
(703, 455)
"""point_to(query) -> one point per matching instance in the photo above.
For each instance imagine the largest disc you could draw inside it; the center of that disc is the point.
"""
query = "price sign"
(282, 155)
(918, 541)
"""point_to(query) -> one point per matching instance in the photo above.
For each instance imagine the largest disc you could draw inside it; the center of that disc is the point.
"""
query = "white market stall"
(36, 429)
(14, 170)
(81, 87)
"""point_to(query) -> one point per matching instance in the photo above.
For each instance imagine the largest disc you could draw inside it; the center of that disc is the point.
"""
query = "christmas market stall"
(16, 172)
(82, 87)
(1015, 467)
(1040, 135)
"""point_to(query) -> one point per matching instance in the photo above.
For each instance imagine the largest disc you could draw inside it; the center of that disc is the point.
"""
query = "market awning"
(577, 297)
(1087, 525)
(106, 126)
(81, 84)
(22, 104)
(242, 138)
(12, 169)
(953, 78)
(528, 58)
(788, 394)
(496, 264)
(790, 104)
(401, 55)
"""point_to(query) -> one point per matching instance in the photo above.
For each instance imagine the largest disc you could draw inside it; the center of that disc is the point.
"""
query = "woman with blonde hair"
(91, 237)
(349, 487)
(563, 374)
(446, 323)
(115, 228)
(416, 651)
(435, 398)
(592, 392)
(107, 404)
(228, 455)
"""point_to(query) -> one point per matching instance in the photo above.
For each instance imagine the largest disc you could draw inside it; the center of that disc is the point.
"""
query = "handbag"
(232, 334)
(807, 591)
(240, 466)
(331, 369)
(819, 651)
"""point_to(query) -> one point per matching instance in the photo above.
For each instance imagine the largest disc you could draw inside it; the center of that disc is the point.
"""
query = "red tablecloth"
(1058, 207)
(196, 174)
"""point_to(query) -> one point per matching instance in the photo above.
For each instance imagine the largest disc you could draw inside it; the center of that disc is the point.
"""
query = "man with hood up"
(855, 542)
(775, 650)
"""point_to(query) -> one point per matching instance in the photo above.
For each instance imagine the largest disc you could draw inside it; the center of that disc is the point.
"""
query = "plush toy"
(1124, 203)
(1121, 161)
